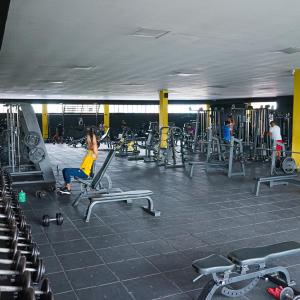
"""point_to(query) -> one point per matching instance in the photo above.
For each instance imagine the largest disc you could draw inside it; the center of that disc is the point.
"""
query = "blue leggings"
(75, 172)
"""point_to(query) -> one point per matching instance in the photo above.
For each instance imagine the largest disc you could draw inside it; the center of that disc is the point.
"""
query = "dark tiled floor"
(124, 253)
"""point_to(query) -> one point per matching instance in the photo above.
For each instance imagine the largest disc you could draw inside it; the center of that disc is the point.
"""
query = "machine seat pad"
(213, 264)
(253, 256)
(133, 194)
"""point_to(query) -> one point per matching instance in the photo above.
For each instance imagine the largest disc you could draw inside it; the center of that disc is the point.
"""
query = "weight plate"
(48, 296)
(46, 221)
(28, 294)
(36, 155)
(289, 165)
(32, 139)
(297, 298)
(40, 271)
(287, 293)
(45, 287)
(17, 260)
(22, 264)
(26, 280)
(59, 219)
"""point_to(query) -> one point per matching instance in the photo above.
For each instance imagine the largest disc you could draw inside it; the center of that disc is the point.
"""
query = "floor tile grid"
(121, 281)
(245, 194)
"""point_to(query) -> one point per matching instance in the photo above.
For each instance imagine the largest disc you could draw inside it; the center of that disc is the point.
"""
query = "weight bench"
(275, 180)
(247, 264)
(90, 186)
(123, 196)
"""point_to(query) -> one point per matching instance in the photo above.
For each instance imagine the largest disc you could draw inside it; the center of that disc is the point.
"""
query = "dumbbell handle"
(7, 250)
(12, 288)
(15, 272)
(10, 261)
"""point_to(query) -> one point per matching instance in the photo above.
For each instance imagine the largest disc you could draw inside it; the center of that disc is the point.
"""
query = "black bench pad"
(252, 256)
(213, 264)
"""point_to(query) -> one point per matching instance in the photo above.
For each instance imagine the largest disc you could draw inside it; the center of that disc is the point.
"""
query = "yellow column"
(106, 117)
(163, 117)
(45, 127)
(296, 118)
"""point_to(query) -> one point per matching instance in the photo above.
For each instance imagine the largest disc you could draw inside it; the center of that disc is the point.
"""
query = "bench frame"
(276, 180)
(128, 197)
(239, 274)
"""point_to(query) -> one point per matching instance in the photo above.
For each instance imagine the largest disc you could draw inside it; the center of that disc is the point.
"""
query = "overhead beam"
(4, 7)
(144, 102)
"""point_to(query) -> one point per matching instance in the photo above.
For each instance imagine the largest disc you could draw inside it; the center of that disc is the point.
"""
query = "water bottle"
(22, 197)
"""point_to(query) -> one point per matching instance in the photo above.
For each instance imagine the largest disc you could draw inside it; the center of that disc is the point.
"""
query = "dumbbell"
(25, 290)
(22, 225)
(288, 294)
(7, 204)
(45, 293)
(32, 251)
(41, 194)
(21, 222)
(20, 267)
(15, 236)
(46, 220)
(10, 226)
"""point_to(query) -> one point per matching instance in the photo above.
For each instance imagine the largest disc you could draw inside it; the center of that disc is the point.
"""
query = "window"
(272, 105)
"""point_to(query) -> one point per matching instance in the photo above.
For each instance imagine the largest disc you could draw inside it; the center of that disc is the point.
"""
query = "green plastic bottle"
(22, 197)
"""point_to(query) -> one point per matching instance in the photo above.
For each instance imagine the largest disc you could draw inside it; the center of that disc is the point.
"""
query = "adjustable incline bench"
(93, 185)
(97, 195)
(244, 265)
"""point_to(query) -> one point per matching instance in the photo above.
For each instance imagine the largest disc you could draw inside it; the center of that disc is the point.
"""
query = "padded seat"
(252, 256)
(213, 264)
(125, 195)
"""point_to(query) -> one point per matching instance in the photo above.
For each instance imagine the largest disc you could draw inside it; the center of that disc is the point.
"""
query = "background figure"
(275, 134)
(58, 137)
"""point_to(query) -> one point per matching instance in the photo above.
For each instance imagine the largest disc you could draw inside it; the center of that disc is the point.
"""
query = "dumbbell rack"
(21, 269)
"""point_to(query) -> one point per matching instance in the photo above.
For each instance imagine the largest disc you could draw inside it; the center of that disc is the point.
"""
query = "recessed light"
(290, 50)
(84, 68)
(130, 84)
(184, 74)
(217, 86)
(149, 33)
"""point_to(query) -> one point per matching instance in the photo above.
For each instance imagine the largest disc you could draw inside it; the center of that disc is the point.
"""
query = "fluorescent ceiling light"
(149, 33)
(290, 50)
(217, 86)
(130, 84)
(84, 68)
(184, 74)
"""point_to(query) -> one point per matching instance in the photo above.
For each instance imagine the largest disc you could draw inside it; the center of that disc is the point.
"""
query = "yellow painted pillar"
(163, 117)
(296, 118)
(45, 126)
(106, 117)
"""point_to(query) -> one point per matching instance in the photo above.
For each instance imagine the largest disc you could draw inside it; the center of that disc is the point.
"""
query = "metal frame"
(240, 274)
(123, 196)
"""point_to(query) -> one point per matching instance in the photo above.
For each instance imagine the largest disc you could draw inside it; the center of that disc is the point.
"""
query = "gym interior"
(149, 150)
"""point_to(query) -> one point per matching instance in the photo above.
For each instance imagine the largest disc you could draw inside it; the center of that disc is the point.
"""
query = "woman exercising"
(86, 166)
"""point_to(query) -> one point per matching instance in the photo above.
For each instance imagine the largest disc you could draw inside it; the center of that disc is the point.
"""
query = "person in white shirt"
(275, 134)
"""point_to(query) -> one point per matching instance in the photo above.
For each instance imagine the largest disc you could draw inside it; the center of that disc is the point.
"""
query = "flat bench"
(247, 264)
(280, 179)
(123, 196)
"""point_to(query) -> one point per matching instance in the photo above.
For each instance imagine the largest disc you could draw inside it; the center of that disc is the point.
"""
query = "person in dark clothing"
(58, 137)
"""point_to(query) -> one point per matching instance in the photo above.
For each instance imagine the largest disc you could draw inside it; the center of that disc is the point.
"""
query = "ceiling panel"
(73, 49)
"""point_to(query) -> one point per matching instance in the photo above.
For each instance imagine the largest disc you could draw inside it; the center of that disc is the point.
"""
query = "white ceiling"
(75, 49)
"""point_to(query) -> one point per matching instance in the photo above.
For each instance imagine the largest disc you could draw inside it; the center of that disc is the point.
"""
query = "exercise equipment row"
(21, 269)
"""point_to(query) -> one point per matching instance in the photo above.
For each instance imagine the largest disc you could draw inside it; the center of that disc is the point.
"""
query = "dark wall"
(138, 121)
(135, 121)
